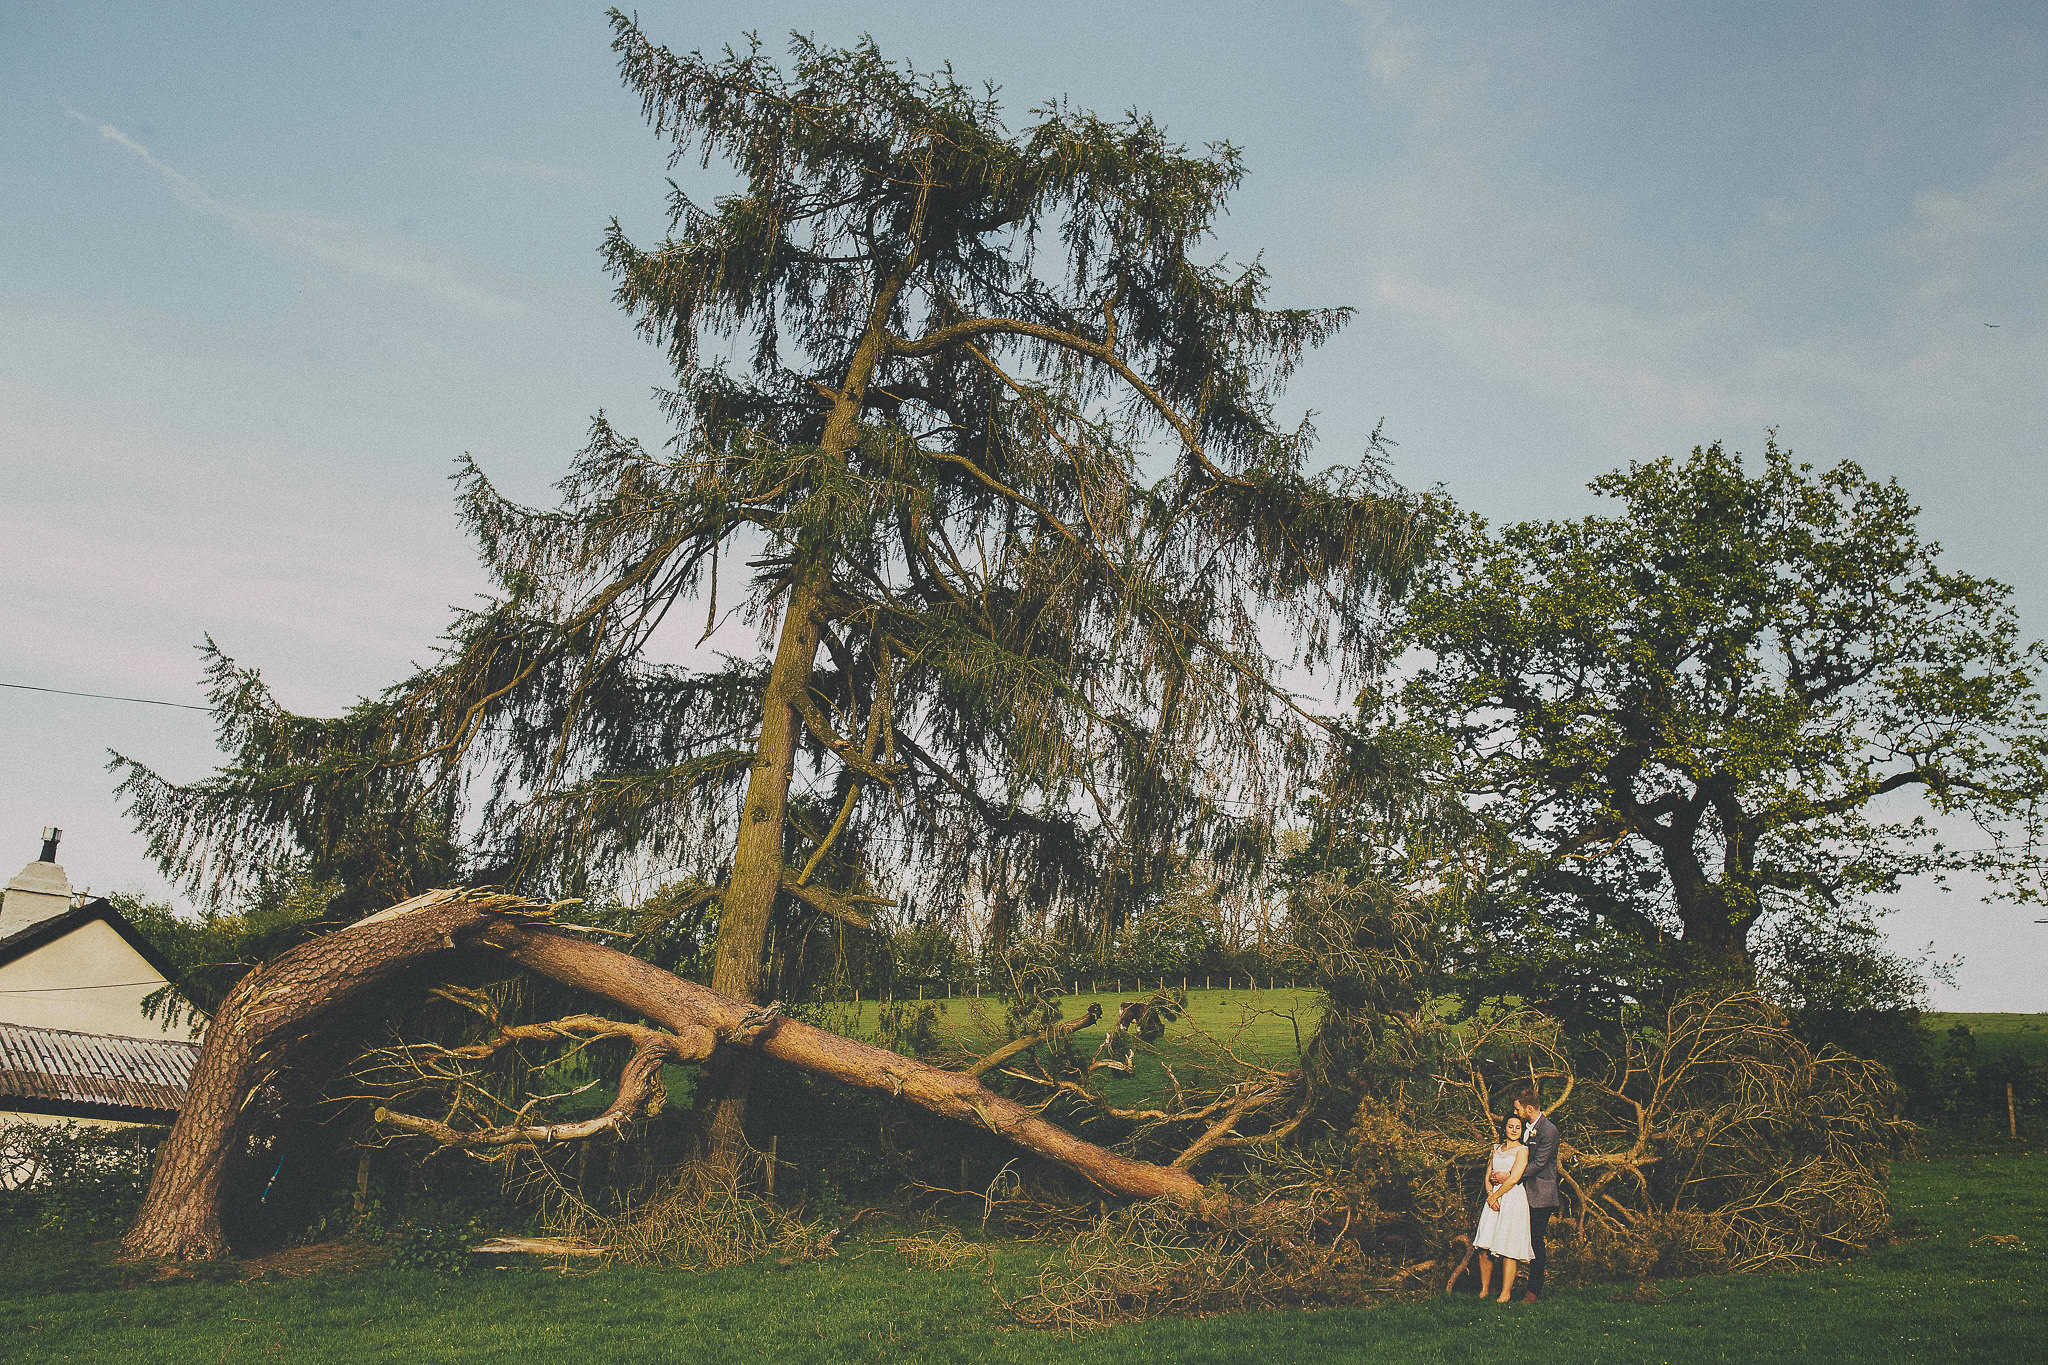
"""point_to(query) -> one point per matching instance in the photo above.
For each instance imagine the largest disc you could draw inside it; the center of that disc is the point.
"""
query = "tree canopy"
(1705, 711)
(980, 438)
(970, 430)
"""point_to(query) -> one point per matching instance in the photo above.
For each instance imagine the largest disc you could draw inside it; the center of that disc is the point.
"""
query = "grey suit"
(1539, 1177)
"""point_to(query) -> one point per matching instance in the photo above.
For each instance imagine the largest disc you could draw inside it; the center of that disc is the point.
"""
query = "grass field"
(1964, 1282)
(1264, 1020)
(1998, 1034)
(1261, 1026)
(1966, 1279)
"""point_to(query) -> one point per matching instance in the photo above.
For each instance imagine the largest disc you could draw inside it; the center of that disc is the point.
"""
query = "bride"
(1504, 1223)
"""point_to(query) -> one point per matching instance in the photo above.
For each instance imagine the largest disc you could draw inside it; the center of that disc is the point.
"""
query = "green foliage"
(925, 953)
(286, 798)
(1176, 934)
(907, 1026)
(73, 1178)
(1685, 719)
(675, 928)
(1839, 984)
(215, 947)
(960, 406)
(440, 1248)
(1969, 1071)
(1031, 998)
(1955, 1074)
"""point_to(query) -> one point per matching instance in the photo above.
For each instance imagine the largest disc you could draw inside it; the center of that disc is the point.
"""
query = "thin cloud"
(1605, 364)
(1428, 80)
(539, 172)
(321, 240)
(1954, 231)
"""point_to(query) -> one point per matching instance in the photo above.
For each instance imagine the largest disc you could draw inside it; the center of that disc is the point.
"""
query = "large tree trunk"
(1712, 955)
(252, 1037)
(749, 899)
(279, 1006)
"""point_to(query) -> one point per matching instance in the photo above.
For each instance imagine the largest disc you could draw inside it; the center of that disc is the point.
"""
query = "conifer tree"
(986, 451)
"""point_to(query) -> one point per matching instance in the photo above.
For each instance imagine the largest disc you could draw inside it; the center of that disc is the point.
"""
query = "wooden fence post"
(2012, 1118)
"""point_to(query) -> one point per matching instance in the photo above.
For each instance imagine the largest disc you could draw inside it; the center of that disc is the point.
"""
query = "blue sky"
(267, 270)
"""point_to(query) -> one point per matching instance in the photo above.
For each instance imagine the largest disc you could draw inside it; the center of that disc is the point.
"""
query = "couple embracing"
(1521, 1194)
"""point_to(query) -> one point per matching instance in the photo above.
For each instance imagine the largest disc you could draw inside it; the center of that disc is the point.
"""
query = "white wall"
(58, 1120)
(90, 981)
(37, 892)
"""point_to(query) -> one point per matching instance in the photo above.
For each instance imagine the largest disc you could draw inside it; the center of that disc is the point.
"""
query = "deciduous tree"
(1712, 705)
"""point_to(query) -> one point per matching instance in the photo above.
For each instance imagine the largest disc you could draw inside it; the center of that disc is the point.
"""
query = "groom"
(1540, 1180)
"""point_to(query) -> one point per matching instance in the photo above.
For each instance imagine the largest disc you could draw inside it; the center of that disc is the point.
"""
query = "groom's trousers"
(1539, 1223)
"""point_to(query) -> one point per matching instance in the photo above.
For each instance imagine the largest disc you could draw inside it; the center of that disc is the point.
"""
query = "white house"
(75, 1043)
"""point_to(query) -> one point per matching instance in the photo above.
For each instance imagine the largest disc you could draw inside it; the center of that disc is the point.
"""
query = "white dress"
(1505, 1232)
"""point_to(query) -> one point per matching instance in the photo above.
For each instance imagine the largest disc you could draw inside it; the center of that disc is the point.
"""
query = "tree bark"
(749, 899)
(251, 1038)
(281, 1005)
(757, 863)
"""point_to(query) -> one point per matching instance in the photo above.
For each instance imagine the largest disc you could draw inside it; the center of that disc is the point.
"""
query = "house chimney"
(38, 891)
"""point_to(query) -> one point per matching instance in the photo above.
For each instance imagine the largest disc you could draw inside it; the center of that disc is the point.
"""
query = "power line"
(104, 696)
(51, 990)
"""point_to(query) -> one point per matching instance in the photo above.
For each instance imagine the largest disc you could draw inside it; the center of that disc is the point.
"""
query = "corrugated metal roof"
(54, 1064)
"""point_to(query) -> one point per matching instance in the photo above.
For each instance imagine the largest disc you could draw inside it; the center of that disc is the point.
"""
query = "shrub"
(910, 1027)
(441, 1248)
(73, 1177)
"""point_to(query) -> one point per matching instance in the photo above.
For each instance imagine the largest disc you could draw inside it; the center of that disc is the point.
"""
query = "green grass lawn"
(1262, 1019)
(1265, 1026)
(1997, 1034)
(1964, 1281)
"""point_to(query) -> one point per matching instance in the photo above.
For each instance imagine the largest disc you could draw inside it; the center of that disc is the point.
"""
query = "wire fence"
(978, 988)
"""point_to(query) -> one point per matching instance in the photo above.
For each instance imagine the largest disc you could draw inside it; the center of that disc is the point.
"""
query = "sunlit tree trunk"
(282, 1006)
(250, 1040)
(757, 866)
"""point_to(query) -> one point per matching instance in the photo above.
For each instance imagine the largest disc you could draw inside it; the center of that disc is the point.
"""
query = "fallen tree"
(1712, 1142)
(278, 1010)
(1707, 1140)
